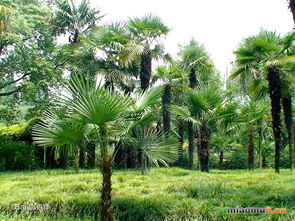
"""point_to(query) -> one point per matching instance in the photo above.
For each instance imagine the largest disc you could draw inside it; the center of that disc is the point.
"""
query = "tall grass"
(163, 194)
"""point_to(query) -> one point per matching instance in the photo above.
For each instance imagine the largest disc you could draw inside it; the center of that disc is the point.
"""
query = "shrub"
(16, 155)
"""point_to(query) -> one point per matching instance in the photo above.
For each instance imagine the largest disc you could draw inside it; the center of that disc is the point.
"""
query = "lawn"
(163, 194)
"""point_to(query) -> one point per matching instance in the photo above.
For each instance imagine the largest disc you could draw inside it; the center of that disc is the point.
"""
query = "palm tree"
(195, 59)
(107, 114)
(264, 57)
(146, 32)
(252, 114)
(75, 19)
(221, 142)
(172, 77)
(206, 106)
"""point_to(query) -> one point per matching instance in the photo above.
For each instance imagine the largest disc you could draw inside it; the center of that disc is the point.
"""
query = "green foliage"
(17, 155)
(164, 194)
(17, 130)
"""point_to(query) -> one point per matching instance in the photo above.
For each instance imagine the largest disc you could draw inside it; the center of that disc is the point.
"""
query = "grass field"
(163, 194)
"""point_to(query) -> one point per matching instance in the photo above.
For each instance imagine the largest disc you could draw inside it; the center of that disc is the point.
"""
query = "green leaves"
(97, 105)
(149, 26)
(158, 149)
(148, 98)
(75, 19)
(56, 129)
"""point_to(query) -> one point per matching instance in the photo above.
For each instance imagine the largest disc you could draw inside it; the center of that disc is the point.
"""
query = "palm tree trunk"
(250, 149)
(287, 107)
(292, 8)
(193, 84)
(143, 163)
(190, 145)
(193, 79)
(180, 140)
(145, 69)
(275, 86)
(166, 101)
(107, 163)
(204, 148)
(107, 211)
(221, 163)
(64, 158)
(76, 158)
(260, 148)
(82, 158)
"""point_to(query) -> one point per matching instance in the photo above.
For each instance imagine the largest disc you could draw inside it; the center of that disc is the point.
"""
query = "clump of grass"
(163, 194)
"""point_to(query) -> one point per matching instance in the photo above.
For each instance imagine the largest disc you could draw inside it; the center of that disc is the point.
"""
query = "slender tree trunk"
(82, 158)
(204, 148)
(190, 146)
(292, 9)
(287, 107)
(260, 148)
(107, 211)
(50, 159)
(180, 140)
(221, 163)
(193, 84)
(145, 69)
(143, 163)
(107, 162)
(91, 155)
(76, 158)
(166, 101)
(250, 149)
(275, 86)
(75, 39)
(193, 79)
(64, 158)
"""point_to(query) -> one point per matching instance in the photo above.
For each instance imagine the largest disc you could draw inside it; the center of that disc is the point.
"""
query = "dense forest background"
(231, 120)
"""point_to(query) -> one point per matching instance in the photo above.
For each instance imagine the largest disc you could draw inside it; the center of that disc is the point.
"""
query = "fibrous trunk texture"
(287, 106)
(190, 145)
(106, 210)
(166, 101)
(275, 86)
(145, 69)
(106, 168)
(204, 148)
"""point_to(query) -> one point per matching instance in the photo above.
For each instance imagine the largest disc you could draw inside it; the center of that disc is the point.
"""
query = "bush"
(16, 155)
(237, 160)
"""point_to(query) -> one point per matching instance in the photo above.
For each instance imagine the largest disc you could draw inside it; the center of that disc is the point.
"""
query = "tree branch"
(12, 82)
(10, 92)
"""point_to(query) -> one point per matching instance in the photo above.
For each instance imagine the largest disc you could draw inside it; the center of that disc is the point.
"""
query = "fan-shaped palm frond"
(158, 149)
(58, 130)
(149, 26)
(75, 19)
(147, 98)
(97, 105)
